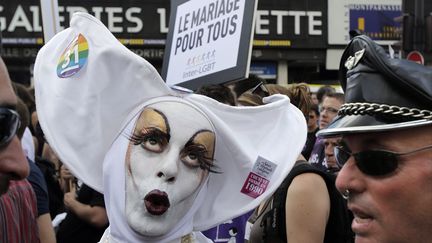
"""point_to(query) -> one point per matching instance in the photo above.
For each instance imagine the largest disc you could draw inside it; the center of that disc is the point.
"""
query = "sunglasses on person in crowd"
(261, 90)
(9, 124)
(373, 162)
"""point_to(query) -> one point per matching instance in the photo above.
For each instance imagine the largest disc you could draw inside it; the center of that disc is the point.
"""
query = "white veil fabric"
(90, 90)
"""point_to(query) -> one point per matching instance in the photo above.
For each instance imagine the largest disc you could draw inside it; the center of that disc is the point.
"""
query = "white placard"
(206, 38)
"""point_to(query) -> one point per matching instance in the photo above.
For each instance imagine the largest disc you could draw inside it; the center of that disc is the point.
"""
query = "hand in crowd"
(66, 179)
(70, 198)
(65, 174)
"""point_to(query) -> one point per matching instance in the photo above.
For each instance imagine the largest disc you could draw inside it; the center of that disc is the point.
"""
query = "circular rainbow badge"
(73, 58)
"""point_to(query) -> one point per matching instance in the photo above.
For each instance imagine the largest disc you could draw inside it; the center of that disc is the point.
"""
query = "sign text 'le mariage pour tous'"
(198, 32)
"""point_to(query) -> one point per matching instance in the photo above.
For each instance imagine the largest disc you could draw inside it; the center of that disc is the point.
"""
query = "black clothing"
(39, 185)
(269, 226)
(310, 142)
(55, 193)
(73, 229)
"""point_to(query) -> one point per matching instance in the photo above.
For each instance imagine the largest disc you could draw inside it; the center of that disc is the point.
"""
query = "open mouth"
(362, 221)
(361, 218)
(156, 202)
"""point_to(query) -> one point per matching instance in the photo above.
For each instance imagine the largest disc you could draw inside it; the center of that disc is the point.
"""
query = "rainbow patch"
(73, 58)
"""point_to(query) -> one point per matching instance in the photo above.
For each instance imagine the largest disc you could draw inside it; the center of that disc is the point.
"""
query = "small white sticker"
(264, 168)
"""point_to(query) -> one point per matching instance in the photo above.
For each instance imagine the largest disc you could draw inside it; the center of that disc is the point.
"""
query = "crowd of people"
(340, 167)
(55, 208)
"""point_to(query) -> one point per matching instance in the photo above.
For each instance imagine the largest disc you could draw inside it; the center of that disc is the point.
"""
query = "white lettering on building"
(312, 19)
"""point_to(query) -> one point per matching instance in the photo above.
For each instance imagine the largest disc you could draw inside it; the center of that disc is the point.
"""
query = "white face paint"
(164, 162)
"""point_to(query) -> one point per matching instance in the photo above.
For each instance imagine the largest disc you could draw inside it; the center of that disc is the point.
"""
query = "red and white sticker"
(258, 179)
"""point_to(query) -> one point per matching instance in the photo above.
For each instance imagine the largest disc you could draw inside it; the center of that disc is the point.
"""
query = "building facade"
(294, 41)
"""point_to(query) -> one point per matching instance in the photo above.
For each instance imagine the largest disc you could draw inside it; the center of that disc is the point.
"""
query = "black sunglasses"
(261, 90)
(9, 124)
(373, 162)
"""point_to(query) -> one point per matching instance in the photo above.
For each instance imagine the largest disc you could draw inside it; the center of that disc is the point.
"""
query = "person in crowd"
(55, 193)
(45, 160)
(298, 93)
(18, 213)
(38, 136)
(312, 123)
(86, 218)
(168, 164)
(299, 96)
(306, 207)
(67, 179)
(41, 148)
(314, 98)
(328, 111)
(225, 232)
(49, 163)
(218, 92)
(386, 147)
(329, 145)
(322, 93)
(26, 98)
(25, 95)
(246, 84)
(37, 181)
(329, 108)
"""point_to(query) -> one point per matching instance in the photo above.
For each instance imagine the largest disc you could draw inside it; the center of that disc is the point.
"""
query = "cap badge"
(352, 61)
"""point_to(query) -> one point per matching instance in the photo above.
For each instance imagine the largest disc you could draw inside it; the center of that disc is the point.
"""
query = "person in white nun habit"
(169, 164)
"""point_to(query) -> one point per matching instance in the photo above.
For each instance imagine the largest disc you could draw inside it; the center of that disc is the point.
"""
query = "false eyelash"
(161, 137)
(205, 163)
(208, 164)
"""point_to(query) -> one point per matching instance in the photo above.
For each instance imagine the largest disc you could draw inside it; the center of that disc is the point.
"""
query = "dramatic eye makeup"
(151, 139)
(199, 151)
(152, 132)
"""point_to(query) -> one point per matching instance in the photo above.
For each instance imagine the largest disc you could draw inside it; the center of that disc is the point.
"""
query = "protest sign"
(209, 41)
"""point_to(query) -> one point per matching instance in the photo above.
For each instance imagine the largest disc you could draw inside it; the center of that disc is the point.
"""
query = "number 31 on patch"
(73, 58)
